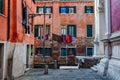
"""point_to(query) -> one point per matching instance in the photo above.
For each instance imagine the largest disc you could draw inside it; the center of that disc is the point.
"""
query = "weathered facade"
(16, 40)
(72, 18)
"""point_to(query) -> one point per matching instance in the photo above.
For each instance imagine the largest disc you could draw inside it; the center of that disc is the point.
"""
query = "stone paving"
(78, 74)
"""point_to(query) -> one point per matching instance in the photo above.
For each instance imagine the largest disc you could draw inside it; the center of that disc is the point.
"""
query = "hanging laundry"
(73, 40)
(68, 38)
(63, 38)
(24, 15)
(46, 37)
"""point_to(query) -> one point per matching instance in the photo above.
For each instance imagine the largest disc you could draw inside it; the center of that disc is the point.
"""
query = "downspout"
(8, 26)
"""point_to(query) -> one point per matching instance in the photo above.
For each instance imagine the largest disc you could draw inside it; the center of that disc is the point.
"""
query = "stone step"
(69, 67)
(94, 68)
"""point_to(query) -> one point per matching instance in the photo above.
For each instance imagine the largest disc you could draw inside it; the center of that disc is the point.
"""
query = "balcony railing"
(64, 0)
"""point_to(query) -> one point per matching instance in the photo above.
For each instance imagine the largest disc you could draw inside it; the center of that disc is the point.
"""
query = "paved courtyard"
(81, 74)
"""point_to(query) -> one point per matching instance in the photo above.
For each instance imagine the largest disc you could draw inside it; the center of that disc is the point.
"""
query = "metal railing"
(64, 0)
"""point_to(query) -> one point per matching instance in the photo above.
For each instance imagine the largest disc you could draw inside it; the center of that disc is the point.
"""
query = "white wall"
(19, 61)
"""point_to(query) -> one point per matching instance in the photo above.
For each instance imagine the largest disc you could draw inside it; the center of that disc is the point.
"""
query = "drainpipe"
(8, 26)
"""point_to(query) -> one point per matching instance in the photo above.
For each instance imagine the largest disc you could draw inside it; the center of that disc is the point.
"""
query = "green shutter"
(59, 9)
(74, 30)
(43, 51)
(44, 9)
(74, 9)
(89, 9)
(67, 9)
(51, 52)
(92, 9)
(36, 31)
(89, 30)
(37, 10)
(89, 51)
(85, 8)
(68, 32)
(0, 6)
(74, 51)
(51, 9)
(36, 51)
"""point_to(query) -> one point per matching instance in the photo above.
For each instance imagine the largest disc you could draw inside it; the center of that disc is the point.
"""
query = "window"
(89, 9)
(49, 10)
(44, 9)
(44, 51)
(72, 51)
(63, 51)
(89, 31)
(72, 9)
(68, 9)
(38, 31)
(48, 52)
(24, 16)
(63, 30)
(31, 50)
(24, 20)
(1, 6)
(89, 51)
(40, 10)
(63, 10)
(71, 30)
(48, 29)
(68, 51)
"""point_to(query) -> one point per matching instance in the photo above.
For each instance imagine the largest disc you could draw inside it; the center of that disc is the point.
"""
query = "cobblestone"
(81, 74)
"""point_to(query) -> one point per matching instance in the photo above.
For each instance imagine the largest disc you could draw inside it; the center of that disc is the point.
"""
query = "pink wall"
(115, 15)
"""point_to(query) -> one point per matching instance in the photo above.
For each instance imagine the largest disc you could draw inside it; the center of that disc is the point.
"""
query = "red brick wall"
(80, 19)
(115, 13)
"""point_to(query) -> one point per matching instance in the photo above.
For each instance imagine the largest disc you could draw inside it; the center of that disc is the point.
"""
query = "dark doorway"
(1, 59)
(27, 56)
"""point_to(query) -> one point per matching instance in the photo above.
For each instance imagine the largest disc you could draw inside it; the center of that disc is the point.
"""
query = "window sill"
(89, 13)
(48, 13)
(63, 56)
(43, 13)
(63, 13)
(3, 15)
(47, 56)
(71, 13)
(89, 37)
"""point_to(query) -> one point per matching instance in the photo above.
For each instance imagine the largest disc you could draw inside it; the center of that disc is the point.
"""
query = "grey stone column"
(96, 42)
(108, 28)
(99, 24)
(107, 44)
